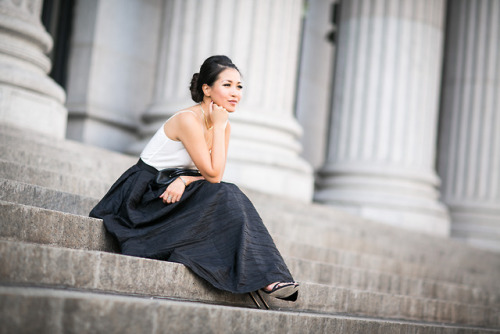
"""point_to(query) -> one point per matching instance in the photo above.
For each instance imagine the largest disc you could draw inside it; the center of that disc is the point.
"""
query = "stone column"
(112, 69)
(469, 152)
(381, 157)
(315, 80)
(262, 39)
(28, 97)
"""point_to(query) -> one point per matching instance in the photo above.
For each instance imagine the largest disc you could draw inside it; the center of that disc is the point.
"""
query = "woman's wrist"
(220, 125)
(183, 181)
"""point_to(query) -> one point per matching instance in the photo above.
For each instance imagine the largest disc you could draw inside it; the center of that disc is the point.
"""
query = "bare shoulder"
(180, 122)
(186, 117)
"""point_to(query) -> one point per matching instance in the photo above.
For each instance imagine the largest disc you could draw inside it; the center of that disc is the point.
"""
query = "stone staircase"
(60, 272)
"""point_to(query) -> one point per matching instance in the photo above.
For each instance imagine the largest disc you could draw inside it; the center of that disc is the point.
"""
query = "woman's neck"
(205, 113)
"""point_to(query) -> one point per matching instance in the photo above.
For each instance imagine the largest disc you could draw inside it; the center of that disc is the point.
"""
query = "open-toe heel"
(285, 291)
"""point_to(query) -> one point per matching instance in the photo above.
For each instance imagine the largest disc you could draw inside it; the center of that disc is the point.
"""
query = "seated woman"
(208, 225)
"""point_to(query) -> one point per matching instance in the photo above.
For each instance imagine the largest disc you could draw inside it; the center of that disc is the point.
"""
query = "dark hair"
(209, 72)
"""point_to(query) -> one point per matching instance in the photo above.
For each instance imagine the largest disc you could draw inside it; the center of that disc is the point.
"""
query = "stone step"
(385, 265)
(55, 311)
(293, 214)
(26, 224)
(46, 266)
(49, 158)
(376, 281)
(42, 197)
(25, 221)
(65, 149)
(342, 230)
(28, 194)
(359, 237)
(65, 164)
(45, 178)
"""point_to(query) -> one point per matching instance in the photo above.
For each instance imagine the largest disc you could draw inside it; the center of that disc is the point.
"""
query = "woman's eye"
(240, 87)
(227, 85)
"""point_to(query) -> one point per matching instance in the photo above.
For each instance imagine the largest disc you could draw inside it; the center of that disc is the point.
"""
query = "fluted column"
(469, 155)
(380, 162)
(262, 38)
(112, 66)
(28, 97)
(315, 80)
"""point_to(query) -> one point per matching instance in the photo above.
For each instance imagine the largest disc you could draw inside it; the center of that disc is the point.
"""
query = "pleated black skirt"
(214, 230)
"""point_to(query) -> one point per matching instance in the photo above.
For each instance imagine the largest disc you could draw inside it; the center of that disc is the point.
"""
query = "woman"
(208, 225)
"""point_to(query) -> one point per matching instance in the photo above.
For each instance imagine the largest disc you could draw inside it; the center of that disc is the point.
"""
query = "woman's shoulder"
(189, 112)
(183, 119)
(185, 114)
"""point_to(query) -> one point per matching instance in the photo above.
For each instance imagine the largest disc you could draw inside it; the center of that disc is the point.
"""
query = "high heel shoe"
(285, 291)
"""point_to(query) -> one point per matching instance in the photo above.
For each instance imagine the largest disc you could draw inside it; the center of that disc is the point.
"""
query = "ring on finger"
(169, 198)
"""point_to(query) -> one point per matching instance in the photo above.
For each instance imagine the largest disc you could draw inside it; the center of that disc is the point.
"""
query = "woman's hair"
(209, 72)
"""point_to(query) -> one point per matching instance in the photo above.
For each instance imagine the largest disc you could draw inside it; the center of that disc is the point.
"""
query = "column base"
(100, 132)
(406, 203)
(264, 155)
(477, 225)
(437, 224)
(32, 111)
(270, 178)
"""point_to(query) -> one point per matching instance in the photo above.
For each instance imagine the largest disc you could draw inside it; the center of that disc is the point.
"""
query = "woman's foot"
(282, 290)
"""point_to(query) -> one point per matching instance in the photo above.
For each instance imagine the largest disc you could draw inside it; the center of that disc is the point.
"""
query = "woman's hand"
(174, 191)
(218, 114)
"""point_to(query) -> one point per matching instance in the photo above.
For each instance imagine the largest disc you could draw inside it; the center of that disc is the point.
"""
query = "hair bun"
(195, 93)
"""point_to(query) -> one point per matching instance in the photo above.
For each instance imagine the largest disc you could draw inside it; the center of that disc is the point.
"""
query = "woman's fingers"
(169, 198)
(173, 193)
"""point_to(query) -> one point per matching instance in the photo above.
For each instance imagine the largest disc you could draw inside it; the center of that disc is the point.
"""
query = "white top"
(162, 152)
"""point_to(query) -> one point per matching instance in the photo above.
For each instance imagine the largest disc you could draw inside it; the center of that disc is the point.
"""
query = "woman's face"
(226, 91)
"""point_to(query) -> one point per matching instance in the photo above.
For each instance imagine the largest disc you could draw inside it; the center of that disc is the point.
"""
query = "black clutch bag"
(166, 176)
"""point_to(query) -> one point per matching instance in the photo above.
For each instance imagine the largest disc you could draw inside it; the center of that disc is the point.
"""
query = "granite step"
(46, 198)
(75, 184)
(336, 227)
(37, 196)
(63, 148)
(35, 265)
(38, 155)
(27, 224)
(339, 240)
(315, 228)
(79, 312)
(385, 265)
(405, 246)
(25, 221)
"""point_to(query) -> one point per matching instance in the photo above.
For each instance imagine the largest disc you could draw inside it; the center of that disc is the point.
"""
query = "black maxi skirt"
(214, 230)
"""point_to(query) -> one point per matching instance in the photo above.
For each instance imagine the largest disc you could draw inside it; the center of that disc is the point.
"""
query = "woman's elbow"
(213, 179)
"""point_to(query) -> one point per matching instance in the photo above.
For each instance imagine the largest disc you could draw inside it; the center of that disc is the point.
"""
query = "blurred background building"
(388, 109)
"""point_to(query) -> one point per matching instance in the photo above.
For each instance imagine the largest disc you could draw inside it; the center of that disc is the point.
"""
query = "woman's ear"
(206, 89)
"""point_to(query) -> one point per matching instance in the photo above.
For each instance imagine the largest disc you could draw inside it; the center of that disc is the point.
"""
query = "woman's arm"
(190, 132)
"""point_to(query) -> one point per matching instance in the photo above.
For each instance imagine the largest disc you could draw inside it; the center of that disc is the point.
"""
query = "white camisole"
(162, 152)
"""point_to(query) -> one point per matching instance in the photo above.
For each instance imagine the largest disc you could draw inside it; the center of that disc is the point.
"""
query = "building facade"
(388, 109)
